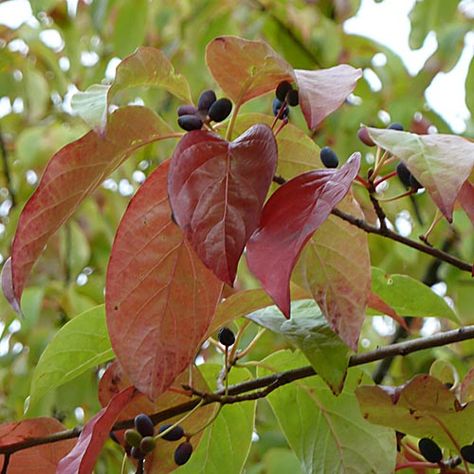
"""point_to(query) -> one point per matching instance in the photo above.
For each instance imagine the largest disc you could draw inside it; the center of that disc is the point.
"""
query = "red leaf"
(290, 217)
(375, 302)
(42, 459)
(82, 458)
(466, 199)
(322, 92)
(159, 298)
(217, 190)
(71, 175)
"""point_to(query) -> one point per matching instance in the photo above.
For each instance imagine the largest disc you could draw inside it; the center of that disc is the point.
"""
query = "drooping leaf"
(79, 345)
(91, 105)
(245, 69)
(82, 458)
(71, 175)
(322, 92)
(424, 407)
(43, 458)
(226, 442)
(150, 67)
(217, 190)
(376, 303)
(290, 217)
(309, 331)
(335, 267)
(441, 163)
(466, 199)
(152, 277)
(466, 392)
(327, 432)
(409, 297)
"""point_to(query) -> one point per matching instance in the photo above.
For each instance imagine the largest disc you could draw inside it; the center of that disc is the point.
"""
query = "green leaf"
(410, 297)
(281, 461)
(226, 442)
(328, 433)
(91, 105)
(470, 87)
(308, 330)
(79, 345)
(130, 26)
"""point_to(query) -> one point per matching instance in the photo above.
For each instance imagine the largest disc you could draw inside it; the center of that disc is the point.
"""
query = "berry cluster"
(141, 440)
(209, 109)
(285, 95)
(467, 453)
(430, 450)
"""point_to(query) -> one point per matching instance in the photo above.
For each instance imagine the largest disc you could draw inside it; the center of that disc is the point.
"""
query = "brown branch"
(262, 386)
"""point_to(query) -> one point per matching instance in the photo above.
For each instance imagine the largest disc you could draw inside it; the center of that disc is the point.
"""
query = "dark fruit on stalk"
(186, 110)
(276, 106)
(190, 122)
(176, 433)
(364, 137)
(137, 453)
(292, 98)
(144, 425)
(226, 337)
(414, 183)
(430, 450)
(404, 174)
(206, 99)
(147, 444)
(220, 110)
(396, 126)
(183, 453)
(133, 438)
(282, 90)
(467, 453)
(329, 157)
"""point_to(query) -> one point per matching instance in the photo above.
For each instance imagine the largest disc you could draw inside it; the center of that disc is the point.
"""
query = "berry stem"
(399, 196)
(282, 125)
(251, 345)
(437, 217)
(282, 109)
(385, 178)
(380, 160)
(362, 181)
(235, 111)
(123, 468)
(416, 465)
(209, 422)
(226, 370)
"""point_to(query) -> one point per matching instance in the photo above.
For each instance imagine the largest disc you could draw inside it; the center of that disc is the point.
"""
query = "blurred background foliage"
(68, 46)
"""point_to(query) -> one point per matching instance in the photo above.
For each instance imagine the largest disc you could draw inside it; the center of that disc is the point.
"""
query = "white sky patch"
(15, 12)
(52, 39)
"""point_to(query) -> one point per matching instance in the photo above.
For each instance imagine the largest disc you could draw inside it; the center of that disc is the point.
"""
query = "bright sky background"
(386, 22)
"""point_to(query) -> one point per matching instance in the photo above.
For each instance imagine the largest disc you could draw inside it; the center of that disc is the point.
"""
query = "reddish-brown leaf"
(217, 190)
(466, 199)
(42, 459)
(322, 92)
(159, 298)
(377, 303)
(290, 217)
(71, 175)
(82, 458)
(246, 69)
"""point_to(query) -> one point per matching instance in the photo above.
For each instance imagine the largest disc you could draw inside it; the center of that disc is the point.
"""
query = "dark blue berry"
(176, 433)
(144, 425)
(396, 126)
(430, 450)
(190, 122)
(187, 109)
(467, 453)
(183, 453)
(276, 106)
(220, 110)
(282, 90)
(292, 98)
(226, 337)
(329, 157)
(206, 99)
(404, 174)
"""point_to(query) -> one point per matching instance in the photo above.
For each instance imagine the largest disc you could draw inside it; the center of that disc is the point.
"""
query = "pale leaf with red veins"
(42, 458)
(160, 298)
(82, 458)
(290, 217)
(217, 190)
(323, 91)
(441, 163)
(72, 174)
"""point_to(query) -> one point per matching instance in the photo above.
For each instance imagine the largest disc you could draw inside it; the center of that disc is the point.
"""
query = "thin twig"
(262, 386)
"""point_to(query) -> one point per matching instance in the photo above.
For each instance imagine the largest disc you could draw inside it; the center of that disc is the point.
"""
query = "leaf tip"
(7, 286)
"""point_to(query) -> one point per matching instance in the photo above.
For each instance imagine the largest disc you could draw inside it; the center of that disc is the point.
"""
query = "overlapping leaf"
(308, 330)
(82, 458)
(160, 298)
(43, 458)
(289, 219)
(91, 105)
(71, 175)
(335, 267)
(423, 407)
(327, 432)
(322, 92)
(79, 345)
(466, 199)
(217, 190)
(441, 163)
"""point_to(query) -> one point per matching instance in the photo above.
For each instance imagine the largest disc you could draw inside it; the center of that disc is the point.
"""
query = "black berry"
(183, 453)
(176, 433)
(292, 98)
(144, 425)
(226, 337)
(396, 126)
(276, 106)
(186, 110)
(133, 438)
(430, 450)
(364, 137)
(206, 99)
(467, 453)
(404, 174)
(414, 183)
(147, 444)
(220, 110)
(282, 90)
(329, 157)
(137, 453)
(190, 122)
